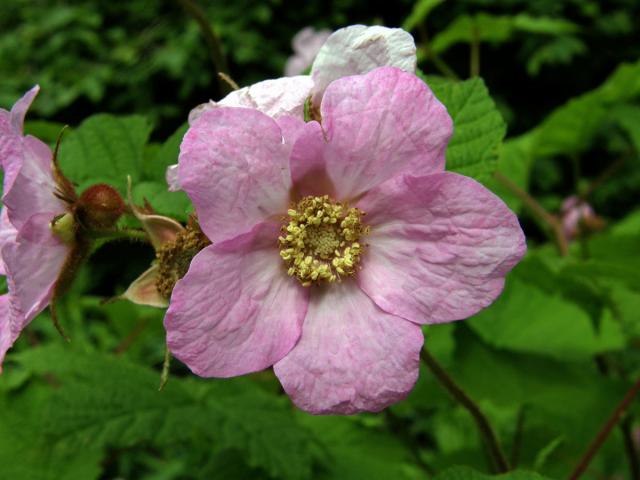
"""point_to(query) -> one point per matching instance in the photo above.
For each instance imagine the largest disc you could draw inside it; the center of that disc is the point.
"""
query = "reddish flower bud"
(99, 207)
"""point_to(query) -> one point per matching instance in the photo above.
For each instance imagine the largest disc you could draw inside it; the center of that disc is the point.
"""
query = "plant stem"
(166, 368)
(517, 438)
(604, 432)
(217, 57)
(437, 61)
(632, 455)
(474, 59)
(489, 436)
(532, 204)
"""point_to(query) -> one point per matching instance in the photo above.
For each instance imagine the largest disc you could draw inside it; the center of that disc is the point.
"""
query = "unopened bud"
(100, 207)
(64, 227)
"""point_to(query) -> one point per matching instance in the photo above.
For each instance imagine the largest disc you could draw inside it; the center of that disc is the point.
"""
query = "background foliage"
(556, 113)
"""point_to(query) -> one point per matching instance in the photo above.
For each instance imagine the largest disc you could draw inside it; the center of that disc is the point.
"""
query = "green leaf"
(537, 318)
(173, 204)
(358, 452)
(105, 148)
(478, 127)
(497, 29)
(557, 51)
(156, 165)
(102, 401)
(419, 13)
(628, 117)
(466, 473)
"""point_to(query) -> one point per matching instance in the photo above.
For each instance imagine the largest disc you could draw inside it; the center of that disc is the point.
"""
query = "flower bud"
(99, 207)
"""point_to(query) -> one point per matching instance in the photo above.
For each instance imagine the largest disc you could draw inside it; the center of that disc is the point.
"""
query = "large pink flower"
(353, 50)
(32, 256)
(332, 244)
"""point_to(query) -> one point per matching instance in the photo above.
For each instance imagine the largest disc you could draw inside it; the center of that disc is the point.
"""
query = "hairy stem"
(553, 222)
(604, 432)
(217, 57)
(122, 234)
(488, 435)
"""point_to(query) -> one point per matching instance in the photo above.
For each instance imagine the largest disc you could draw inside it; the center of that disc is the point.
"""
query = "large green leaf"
(419, 14)
(105, 148)
(101, 401)
(478, 127)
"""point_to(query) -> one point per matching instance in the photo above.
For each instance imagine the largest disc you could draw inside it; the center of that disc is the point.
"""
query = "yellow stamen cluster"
(320, 241)
(175, 257)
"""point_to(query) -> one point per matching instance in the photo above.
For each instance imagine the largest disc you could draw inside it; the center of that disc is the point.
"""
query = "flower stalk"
(491, 440)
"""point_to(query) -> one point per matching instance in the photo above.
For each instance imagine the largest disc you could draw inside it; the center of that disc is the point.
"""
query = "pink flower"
(306, 45)
(349, 51)
(32, 255)
(577, 215)
(332, 244)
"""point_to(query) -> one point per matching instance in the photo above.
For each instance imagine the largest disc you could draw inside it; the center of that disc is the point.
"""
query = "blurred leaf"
(557, 51)
(478, 126)
(465, 473)
(419, 14)
(105, 148)
(497, 29)
(628, 117)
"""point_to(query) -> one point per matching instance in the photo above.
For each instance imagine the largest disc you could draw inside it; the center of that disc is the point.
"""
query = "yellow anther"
(319, 241)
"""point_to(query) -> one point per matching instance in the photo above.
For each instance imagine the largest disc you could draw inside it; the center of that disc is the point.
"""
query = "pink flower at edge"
(577, 214)
(438, 249)
(306, 45)
(32, 256)
(352, 50)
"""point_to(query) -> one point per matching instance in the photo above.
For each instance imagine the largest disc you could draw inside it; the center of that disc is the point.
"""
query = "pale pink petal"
(439, 248)
(33, 264)
(171, 175)
(377, 126)
(12, 139)
(6, 332)
(7, 234)
(277, 97)
(352, 356)
(236, 311)
(143, 290)
(306, 45)
(359, 49)
(234, 167)
(159, 228)
(308, 163)
(33, 187)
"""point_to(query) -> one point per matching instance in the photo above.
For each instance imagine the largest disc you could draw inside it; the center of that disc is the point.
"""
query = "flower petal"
(33, 264)
(143, 290)
(277, 97)
(7, 330)
(12, 139)
(236, 311)
(377, 126)
(171, 176)
(234, 167)
(352, 356)
(7, 234)
(359, 49)
(33, 188)
(439, 249)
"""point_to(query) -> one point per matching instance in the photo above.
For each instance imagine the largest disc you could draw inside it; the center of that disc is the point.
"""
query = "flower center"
(320, 241)
(175, 257)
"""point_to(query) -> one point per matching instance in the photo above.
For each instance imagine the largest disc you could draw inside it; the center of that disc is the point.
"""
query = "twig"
(489, 436)
(604, 432)
(603, 177)
(551, 220)
(217, 57)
